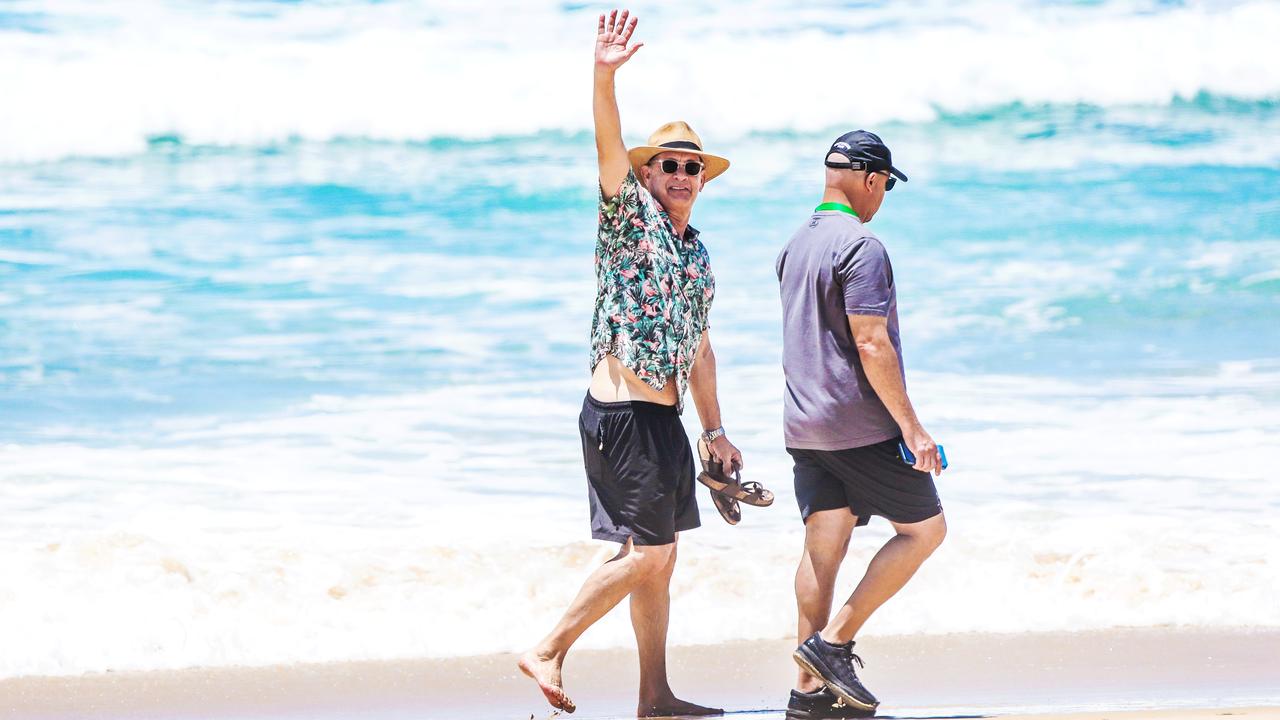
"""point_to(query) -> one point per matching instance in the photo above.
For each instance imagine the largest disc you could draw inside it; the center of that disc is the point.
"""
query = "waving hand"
(612, 37)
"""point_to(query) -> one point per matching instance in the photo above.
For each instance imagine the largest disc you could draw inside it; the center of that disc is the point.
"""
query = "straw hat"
(677, 136)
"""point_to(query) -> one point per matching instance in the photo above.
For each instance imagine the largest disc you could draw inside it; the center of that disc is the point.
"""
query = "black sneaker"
(821, 705)
(834, 665)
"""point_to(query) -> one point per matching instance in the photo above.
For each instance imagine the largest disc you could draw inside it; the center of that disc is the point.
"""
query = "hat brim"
(715, 165)
(897, 173)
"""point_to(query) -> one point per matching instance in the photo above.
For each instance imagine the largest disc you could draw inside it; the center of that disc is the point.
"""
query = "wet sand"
(1170, 673)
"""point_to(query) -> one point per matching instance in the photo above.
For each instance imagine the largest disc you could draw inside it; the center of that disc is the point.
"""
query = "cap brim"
(897, 173)
(644, 153)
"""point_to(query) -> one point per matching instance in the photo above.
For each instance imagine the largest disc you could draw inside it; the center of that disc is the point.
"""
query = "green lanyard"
(836, 206)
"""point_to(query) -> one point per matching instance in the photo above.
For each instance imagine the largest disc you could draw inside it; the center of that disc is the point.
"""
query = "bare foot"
(673, 706)
(546, 673)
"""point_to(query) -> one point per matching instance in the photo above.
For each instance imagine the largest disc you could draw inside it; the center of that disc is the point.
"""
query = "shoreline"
(1143, 670)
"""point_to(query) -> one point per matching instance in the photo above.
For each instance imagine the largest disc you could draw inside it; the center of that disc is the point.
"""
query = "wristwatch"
(711, 435)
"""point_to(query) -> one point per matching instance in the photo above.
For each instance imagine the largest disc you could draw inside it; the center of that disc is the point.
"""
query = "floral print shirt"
(653, 290)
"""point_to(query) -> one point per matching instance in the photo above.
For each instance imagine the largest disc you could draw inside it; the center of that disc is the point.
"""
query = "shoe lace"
(853, 657)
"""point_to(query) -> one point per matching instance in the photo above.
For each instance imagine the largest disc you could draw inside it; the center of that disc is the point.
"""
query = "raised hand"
(612, 37)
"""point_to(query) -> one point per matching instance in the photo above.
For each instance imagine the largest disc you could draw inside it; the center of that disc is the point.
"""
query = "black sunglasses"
(889, 182)
(691, 167)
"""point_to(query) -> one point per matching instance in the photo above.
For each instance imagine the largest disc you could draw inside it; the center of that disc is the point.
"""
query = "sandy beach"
(1146, 673)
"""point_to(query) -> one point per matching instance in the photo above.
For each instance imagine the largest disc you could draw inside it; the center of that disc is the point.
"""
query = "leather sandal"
(728, 507)
(714, 477)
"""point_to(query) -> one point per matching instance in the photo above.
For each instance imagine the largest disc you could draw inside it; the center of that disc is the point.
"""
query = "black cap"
(865, 151)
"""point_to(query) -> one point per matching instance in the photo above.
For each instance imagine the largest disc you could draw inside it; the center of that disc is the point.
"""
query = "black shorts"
(640, 472)
(870, 480)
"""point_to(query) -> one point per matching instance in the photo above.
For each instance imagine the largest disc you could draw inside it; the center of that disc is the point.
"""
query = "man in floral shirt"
(649, 342)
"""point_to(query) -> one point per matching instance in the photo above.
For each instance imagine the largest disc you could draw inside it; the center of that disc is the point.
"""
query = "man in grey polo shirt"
(845, 412)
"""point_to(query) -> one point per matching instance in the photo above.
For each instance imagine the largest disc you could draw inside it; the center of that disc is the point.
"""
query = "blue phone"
(910, 459)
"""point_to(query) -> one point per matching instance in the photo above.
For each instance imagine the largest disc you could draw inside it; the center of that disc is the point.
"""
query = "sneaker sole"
(810, 668)
(806, 715)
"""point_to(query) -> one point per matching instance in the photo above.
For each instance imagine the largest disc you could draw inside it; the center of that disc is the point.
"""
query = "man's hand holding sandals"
(724, 479)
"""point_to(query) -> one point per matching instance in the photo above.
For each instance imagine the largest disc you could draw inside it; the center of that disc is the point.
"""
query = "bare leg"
(889, 570)
(603, 590)
(650, 614)
(826, 540)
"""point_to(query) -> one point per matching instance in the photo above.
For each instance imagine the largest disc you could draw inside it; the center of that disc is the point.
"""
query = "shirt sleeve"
(621, 217)
(863, 268)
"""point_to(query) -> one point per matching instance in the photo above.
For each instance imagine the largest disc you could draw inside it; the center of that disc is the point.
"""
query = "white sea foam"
(100, 80)
(387, 527)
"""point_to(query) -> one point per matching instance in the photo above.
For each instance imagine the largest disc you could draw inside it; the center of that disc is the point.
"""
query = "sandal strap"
(750, 489)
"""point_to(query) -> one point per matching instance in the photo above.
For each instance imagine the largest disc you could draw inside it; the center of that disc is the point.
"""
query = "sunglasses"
(889, 182)
(691, 167)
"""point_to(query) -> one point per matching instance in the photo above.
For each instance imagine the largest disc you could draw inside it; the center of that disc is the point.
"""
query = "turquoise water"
(192, 279)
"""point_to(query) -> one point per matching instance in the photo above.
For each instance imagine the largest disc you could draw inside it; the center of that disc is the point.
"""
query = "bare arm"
(702, 386)
(880, 363)
(612, 36)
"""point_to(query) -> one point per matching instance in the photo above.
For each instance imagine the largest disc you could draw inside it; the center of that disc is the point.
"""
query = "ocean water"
(294, 304)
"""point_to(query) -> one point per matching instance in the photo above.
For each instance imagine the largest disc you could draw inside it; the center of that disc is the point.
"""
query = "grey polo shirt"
(833, 267)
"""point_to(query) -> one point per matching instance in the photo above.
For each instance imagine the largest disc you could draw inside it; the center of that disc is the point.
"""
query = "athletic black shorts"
(640, 472)
(870, 480)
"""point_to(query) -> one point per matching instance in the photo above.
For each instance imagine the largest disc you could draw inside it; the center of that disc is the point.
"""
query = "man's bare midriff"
(614, 382)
